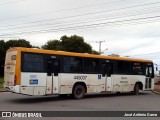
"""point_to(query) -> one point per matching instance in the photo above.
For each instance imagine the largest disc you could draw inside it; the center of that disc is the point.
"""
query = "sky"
(127, 27)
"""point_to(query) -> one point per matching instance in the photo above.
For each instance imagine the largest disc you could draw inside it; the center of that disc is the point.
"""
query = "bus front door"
(149, 74)
(53, 69)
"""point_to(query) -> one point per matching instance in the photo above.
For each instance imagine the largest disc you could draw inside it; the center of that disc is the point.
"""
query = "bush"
(1, 82)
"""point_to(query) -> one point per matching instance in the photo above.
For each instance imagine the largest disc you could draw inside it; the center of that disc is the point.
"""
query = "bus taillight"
(15, 80)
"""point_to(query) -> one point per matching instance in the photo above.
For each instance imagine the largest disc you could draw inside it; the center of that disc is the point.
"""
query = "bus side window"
(53, 67)
(103, 70)
(72, 65)
(56, 67)
(49, 68)
(137, 68)
(91, 66)
(149, 71)
(107, 68)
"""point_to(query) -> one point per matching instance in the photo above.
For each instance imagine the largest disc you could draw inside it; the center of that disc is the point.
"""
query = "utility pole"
(100, 45)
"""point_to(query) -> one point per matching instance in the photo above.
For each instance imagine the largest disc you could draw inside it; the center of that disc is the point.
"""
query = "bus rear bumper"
(33, 90)
(27, 90)
(15, 89)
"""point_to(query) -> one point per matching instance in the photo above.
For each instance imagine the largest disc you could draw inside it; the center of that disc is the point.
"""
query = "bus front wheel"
(78, 91)
(136, 89)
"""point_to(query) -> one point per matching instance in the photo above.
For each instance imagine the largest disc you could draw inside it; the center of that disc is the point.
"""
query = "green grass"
(1, 82)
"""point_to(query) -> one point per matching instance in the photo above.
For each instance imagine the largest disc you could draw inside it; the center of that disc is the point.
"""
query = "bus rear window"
(13, 57)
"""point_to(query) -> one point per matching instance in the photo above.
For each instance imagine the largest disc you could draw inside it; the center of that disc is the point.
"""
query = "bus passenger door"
(149, 75)
(53, 68)
(107, 72)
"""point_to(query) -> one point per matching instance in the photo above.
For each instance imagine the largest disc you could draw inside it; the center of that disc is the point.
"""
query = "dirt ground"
(157, 88)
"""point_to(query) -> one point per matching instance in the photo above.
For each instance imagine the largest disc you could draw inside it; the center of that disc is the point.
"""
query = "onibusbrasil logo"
(21, 114)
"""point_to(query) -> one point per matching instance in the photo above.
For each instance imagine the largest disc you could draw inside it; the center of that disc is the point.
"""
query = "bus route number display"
(80, 77)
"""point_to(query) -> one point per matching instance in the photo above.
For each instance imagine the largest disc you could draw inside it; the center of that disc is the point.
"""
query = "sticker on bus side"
(99, 77)
(33, 81)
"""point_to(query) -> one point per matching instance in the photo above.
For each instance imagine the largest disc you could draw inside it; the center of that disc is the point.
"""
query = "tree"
(95, 52)
(4, 46)
(52, 45)
(2, 56)
(71, 44)
(18, 43)
(75, 44)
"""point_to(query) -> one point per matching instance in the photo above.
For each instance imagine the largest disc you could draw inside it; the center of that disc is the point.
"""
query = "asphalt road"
(145, 101)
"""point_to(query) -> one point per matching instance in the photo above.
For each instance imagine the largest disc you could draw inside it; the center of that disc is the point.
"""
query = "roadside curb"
(156, 92)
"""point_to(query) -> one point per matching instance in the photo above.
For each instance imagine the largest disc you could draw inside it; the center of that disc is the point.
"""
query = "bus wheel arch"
(79, 90)
(138, 86)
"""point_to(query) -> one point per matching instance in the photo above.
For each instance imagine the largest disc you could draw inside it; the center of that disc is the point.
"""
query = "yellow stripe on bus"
(80, 54)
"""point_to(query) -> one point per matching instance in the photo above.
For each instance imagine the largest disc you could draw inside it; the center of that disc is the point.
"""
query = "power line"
(76, 28)
(83, 26)
(12, 2)
(125, 14)
(147, 54)
(66, 29)
(61, 29)
(37, 14)
(86, 14)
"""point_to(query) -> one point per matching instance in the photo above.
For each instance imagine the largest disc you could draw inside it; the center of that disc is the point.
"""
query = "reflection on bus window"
(137, 68)
(91, 65)
(72, 64)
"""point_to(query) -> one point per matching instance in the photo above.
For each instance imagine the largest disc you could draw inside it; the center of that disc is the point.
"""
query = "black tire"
(136, 89)
(78, 91)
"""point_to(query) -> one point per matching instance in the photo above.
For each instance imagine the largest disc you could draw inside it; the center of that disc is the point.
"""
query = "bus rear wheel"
(136, 89)
(78, 91)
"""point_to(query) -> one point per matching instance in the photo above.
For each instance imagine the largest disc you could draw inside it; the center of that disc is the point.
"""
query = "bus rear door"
(53, 68)
(107, 72)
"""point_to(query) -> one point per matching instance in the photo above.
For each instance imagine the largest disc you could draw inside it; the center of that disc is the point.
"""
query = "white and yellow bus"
(45, 72)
